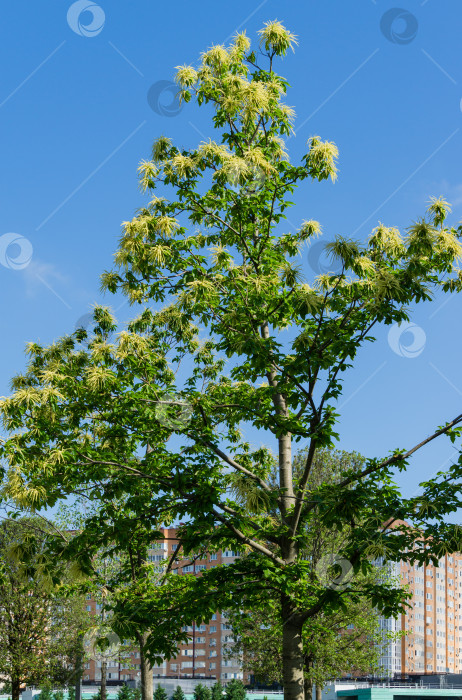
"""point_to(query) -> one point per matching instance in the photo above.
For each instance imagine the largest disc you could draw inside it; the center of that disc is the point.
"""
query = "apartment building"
(433, 623)
(203, 656)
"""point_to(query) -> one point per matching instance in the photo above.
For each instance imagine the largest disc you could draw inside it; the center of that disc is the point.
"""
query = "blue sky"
(382, 81)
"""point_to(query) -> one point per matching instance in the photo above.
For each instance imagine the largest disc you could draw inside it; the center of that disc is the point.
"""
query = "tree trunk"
(78, 672)
(286, 483)
(318, 691)
(292, 654)
(15, 688)
(147, 684)
(103, 679)
(292, 643)
(308, 685)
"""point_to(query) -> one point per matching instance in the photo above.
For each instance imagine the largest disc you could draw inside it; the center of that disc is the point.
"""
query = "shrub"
(201, 692)
(217, 691)
(178, 694)
(46, 692)
(125, 693)
(235, 690)
(160, 693)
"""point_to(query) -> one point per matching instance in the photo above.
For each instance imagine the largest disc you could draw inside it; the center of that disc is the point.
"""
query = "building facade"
(433, 624)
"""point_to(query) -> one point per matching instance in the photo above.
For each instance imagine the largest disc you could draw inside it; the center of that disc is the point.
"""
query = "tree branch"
(401, 455)
(237, 466)
(246, 540)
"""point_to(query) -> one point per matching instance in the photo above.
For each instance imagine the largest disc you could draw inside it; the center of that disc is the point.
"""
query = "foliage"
(46, 692)
(71, 693)
(348, 640)
(202, 692)
(330, 649)
(6, 688)
(157, 417)
(179, 694)
(160, 693)
(116, 561)
(235, 690)
(217, 691)
(58, 695)
(124, 693)
(39, 626)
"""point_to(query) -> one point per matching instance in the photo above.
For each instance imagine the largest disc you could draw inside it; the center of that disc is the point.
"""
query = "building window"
(155, 557)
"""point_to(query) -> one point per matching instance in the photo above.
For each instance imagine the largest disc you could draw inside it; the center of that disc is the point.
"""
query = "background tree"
(217, 691)
(331, 650)
(202, 692)
(38, 624)
(46, 692)
(179, 694)
(112, 562)
(160, 693)
(124, 693)
(209, 249)
(235, 690)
